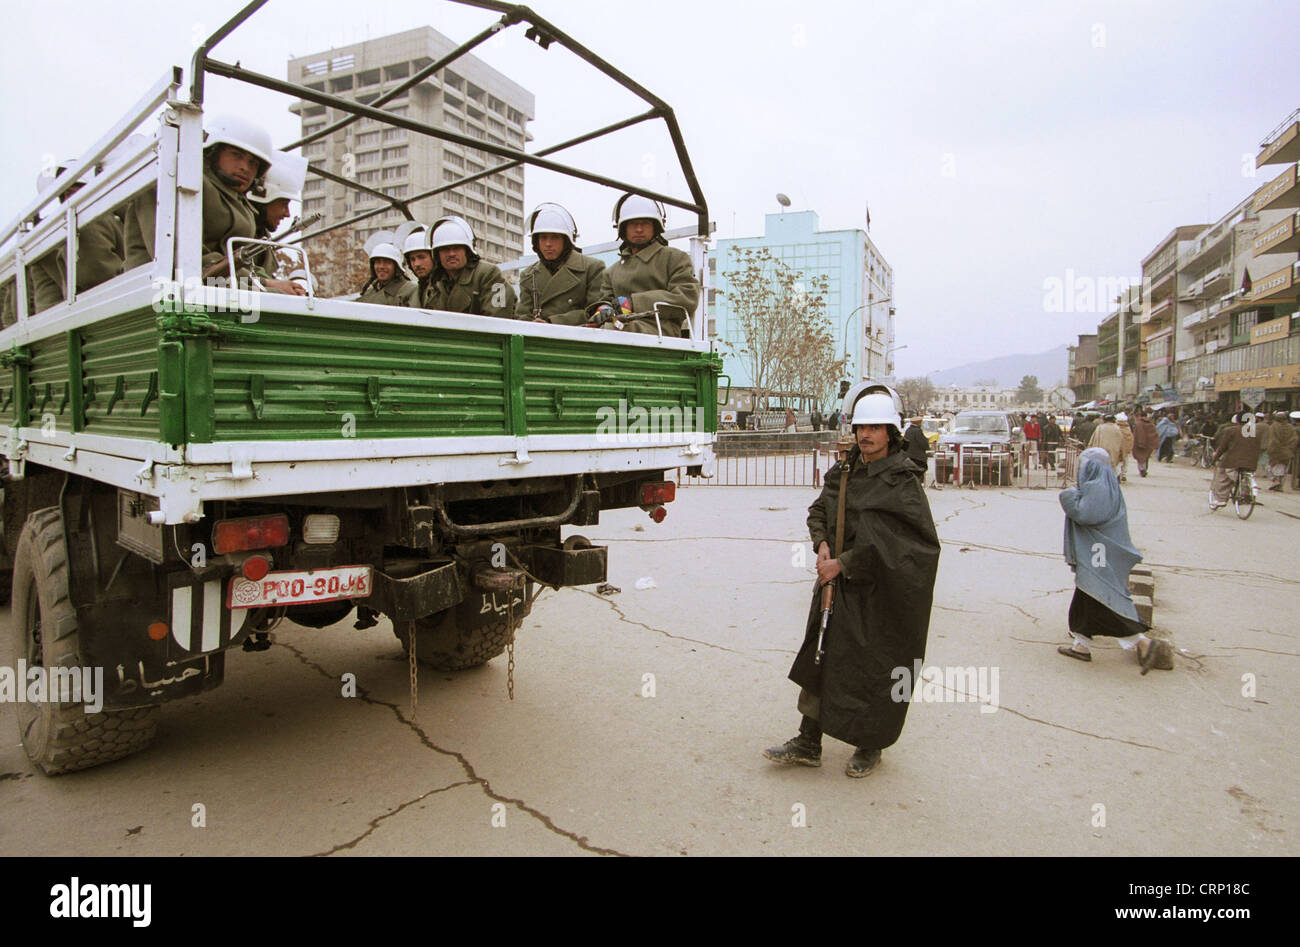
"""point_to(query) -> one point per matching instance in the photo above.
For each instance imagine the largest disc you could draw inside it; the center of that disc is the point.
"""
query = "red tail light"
(256, 532)
(255, 568)
(656, 493)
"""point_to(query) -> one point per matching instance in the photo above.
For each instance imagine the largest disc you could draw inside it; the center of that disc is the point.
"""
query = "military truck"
(185, 465)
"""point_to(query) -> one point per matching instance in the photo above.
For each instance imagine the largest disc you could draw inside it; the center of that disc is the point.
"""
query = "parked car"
(989, 442)
(933, 427)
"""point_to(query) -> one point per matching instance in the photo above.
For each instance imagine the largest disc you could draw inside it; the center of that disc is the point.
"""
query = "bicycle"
(1244, 493)
(1202, 452)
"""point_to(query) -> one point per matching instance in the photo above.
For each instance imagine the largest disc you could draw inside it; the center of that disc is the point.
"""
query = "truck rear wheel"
(61, 737)
(441, 643)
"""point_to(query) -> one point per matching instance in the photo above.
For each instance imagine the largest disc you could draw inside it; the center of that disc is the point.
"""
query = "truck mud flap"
(198, 619)
(409, 589)
(148, 683)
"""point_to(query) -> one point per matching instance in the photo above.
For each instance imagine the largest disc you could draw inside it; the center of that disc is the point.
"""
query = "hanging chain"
(415, 677)
(510, 648)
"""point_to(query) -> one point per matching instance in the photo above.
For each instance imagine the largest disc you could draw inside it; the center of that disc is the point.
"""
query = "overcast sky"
(999, 145)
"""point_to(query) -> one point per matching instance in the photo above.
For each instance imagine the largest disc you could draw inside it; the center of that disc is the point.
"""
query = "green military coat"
(657, 274)
(480, 290)
(226, 214)
(566, 297)
(398, 291)
(100, 249)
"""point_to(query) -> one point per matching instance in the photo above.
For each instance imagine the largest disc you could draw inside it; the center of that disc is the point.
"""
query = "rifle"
(246, 255)
(828, 590)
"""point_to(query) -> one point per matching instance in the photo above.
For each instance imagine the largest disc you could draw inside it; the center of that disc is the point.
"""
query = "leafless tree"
(338, 262)
(785, 337)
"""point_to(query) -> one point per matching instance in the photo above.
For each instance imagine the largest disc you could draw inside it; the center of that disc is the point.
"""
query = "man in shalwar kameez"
(883, 583)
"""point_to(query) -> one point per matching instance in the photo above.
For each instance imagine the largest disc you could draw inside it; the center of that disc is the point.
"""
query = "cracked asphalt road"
(585, 762)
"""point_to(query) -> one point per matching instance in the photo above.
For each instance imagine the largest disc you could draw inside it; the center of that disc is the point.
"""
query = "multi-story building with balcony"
(1119, 344)
(468, 97)
(1243, 298)
(1083, 368)
(1157, 332)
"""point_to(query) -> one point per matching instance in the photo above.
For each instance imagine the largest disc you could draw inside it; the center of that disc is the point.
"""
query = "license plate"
(300, 588)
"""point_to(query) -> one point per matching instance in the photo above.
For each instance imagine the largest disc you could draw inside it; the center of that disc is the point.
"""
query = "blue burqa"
(1097, 543)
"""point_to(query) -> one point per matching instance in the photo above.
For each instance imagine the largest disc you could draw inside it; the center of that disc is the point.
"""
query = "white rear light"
(320, 528)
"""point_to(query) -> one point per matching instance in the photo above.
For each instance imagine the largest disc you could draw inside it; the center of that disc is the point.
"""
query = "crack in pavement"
(949, 608)
(374, 823)
(1032, 618)
(696, 539)
(1289, 654)
(660, 631)
(1223, 573)
(473, 777)
(973, 506)
(1006, 549)
(1096, 736)
(1000, 706)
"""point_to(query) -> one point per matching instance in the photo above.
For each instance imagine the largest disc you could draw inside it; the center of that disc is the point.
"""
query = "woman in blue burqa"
(1101, 553)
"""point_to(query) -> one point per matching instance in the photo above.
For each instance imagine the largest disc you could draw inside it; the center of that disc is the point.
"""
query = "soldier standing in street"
(563, 287)
(878, 550)
(649, 271)
(461, 281)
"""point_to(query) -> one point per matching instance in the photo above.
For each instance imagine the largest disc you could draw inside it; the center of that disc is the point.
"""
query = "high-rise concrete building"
(468, 97)
(859, 298)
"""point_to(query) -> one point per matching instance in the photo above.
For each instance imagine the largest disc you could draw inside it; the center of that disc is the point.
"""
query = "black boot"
(803, 750)
(862, 762)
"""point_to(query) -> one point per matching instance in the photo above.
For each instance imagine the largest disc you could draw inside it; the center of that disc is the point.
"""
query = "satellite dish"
(783, 200)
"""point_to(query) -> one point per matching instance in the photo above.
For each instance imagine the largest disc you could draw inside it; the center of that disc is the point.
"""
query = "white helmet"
(450, 231)
(875, 409)
(301, 277)
(380, 246)
(552, 218)
(286, 178)
(241, 133)
(410, 236)
(636, 207)
(45, 180)
(867, 387)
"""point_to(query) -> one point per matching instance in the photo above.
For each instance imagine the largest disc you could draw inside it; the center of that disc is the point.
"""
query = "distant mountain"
(1050, 367)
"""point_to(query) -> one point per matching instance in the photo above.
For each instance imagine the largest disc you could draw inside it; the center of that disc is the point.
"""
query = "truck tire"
(61, 737)
(441, 644)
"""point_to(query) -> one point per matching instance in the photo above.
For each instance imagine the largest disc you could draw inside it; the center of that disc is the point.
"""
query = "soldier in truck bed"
(563, 287)
(236, 154)
(99, 251)
(461, 281)
(388, 285)
(649, 271)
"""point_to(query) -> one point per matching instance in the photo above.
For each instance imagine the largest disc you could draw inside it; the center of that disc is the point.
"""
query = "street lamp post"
(869, 305)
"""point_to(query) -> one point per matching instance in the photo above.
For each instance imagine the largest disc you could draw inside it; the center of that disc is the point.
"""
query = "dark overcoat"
(881, 615)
